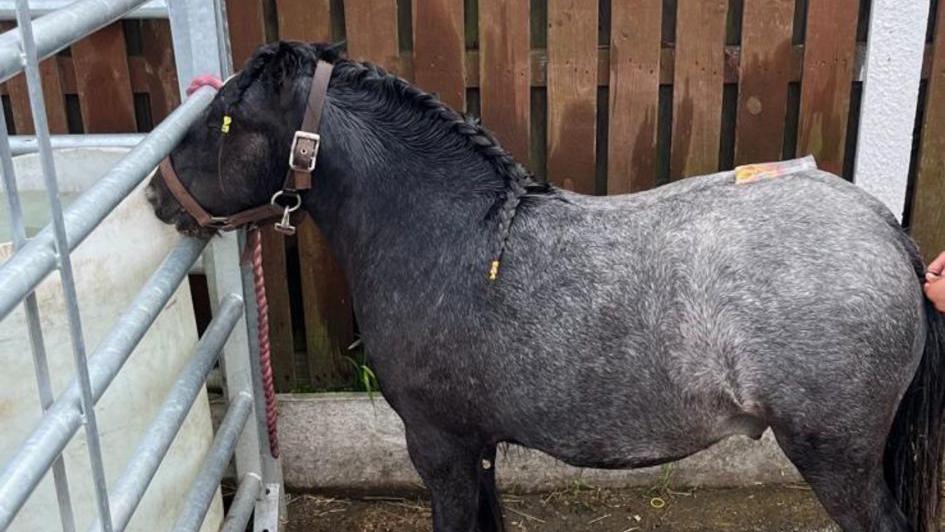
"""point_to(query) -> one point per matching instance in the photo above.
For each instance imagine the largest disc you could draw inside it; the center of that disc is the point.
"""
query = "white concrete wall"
(893, 71)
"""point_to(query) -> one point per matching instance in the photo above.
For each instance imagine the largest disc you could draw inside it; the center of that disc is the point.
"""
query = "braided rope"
(265, 349)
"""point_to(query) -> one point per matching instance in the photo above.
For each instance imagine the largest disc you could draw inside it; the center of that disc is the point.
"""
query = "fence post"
(893, 71)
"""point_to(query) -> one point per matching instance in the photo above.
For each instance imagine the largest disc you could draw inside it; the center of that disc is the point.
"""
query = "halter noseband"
(302, 157)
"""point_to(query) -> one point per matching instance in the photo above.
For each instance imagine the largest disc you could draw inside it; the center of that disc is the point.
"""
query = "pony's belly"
(615, 449)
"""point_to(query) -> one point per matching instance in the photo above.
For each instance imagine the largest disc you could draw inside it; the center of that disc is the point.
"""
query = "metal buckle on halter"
(218, 222)
(304, 151)
(285, 225)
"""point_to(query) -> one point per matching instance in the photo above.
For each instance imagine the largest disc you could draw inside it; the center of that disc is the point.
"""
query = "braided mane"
(287, 61)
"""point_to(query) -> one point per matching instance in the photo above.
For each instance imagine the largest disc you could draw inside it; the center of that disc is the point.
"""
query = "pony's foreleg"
(451, 467)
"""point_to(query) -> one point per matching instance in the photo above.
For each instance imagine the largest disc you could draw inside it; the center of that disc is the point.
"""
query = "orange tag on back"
(754, 172)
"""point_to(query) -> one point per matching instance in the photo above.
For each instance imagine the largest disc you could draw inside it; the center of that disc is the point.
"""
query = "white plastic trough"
(110, 267)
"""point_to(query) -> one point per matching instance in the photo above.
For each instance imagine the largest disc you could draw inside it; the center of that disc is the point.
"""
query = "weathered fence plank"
(53, 96)
(161, 74)
(928, 214)
(371, 29)
(505, 74)
(768, 27)
(280, 313)
(635, 37)
(304, 21)
(572, 93)
(439, 50)
(697, 89)
(103, 82)
(829, 55)
(246, 19)
(329, 327)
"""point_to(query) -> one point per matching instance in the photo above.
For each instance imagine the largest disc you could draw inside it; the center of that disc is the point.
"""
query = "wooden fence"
(600, 96)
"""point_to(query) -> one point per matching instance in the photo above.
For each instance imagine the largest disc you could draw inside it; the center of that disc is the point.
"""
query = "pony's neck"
(397, 185)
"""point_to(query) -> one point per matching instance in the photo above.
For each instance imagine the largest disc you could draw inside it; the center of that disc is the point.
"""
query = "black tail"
(913, 457)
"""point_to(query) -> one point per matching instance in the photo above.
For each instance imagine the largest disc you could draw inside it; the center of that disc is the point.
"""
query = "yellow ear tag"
(225, 128)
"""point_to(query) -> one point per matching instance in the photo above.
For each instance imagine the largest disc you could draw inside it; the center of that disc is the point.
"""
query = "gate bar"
(20, 144)
(243, 502)
(28, 466)
(154, 9)
(38, 107)
(131, 486)
(35, 330)
(22, 272)
(208, 479)
(59, 29)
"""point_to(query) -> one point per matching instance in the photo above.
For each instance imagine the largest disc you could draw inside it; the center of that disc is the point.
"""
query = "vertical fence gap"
(791, 118)
(664, 134)
(668, 24)
(727, 135)
(471, 26)
(8, 117)
(600, 154)
(74, 118)
(853, 130)
(142, 102)
(338, 20)
(405, 26)
(914, 161)
(539, 131)
(734, 22)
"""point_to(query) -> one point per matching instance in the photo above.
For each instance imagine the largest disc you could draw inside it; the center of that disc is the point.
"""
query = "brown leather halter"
(302, 157)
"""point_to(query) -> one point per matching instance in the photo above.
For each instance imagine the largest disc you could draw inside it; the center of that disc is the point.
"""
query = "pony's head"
(235, 156)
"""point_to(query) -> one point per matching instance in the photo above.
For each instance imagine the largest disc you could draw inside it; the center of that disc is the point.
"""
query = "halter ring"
(290, 193)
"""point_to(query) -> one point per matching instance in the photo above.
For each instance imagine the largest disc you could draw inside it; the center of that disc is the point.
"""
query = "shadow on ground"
(762, 508)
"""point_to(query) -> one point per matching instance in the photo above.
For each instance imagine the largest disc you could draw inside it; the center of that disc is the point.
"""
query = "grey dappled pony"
(620, 331)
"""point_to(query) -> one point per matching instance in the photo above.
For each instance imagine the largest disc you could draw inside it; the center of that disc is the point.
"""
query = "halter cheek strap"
(302, 158)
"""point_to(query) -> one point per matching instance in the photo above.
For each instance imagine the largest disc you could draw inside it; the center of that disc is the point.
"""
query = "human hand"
(935, 282)
(935, 291)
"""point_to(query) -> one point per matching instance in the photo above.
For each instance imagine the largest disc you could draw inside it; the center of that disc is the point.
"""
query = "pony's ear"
(330, 52)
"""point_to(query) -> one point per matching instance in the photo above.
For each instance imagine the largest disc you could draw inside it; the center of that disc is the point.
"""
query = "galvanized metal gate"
(200, 47)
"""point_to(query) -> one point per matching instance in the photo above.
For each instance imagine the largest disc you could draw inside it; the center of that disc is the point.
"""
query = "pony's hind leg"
(452, 468)
(490, 510)
(847, 479)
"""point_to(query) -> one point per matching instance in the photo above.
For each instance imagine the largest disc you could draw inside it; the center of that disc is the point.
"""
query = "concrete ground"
(787, 508)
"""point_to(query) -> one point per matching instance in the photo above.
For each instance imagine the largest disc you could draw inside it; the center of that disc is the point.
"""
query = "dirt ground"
(775, 509)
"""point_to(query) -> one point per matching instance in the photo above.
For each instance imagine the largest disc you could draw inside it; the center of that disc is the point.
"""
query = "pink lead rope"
(262, 305)
(206, 80)
(262, 332)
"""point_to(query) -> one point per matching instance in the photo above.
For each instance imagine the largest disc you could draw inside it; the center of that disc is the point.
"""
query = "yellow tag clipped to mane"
(494, 271)
(227, 120)
(753, 172)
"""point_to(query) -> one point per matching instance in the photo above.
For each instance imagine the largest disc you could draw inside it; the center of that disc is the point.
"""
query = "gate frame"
(201, 46)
